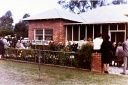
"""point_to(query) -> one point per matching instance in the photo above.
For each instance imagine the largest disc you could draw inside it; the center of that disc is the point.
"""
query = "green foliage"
(67, 48)
(6, 20)
(80, 59)
(21, 28)
(86, 54)
(63, 59)
(7, 28)
(26, 15)
(87, 50)
(80, 6)
(41, 47)
(53, 47)
(6, 31)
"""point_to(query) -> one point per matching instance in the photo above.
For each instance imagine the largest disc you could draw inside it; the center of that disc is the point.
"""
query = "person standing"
(2, 51)
(119, 54)
(97, 43)
(113, 53)
(125, 52)
(106, 51)
(90, 42)
(14, 41)
(21, 38)
(6, 43)
(74, 47)
(114, 50)
(9, 39)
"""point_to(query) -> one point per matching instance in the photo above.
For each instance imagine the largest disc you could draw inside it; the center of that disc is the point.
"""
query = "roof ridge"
(81, 17)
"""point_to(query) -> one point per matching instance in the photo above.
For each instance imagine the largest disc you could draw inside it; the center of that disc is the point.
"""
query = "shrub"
(80, 59)
(85, 54)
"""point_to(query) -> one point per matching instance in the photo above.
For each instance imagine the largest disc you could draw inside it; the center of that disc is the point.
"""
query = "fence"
(62, 58)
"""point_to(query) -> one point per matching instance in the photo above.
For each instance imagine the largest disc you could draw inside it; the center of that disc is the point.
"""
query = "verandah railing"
(62, 58)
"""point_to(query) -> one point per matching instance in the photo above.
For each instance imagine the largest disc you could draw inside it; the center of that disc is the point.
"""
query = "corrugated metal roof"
(104, 14)
(107, 14)
(56, 14)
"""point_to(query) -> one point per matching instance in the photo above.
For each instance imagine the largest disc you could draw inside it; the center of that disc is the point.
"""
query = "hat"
(119, 43)
(89, 39)
(6, 37)
(114, 43)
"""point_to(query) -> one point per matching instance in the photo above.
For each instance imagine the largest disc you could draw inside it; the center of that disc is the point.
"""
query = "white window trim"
(42, 34)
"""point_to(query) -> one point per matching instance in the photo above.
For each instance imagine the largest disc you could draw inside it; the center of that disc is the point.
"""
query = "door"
(117, 37)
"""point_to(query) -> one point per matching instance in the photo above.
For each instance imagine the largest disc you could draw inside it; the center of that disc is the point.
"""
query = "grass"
(28, 74)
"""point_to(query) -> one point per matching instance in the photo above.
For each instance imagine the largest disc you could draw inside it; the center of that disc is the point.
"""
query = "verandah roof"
(107, 14)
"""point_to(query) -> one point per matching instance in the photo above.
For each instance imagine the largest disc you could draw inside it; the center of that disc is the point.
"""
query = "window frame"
(44, 35)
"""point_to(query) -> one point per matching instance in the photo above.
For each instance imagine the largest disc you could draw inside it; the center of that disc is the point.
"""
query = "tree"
(6, 20)
(26, 22)
(21, 28)
(79, 6)
(26, 15)
(6, 31)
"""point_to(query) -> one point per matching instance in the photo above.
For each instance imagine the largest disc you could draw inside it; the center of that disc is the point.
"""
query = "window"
(44, 34)
(39, 34)
(48, 34)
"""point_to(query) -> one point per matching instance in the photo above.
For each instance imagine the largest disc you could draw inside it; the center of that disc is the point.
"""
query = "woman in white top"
(20, 45)
(97, 43)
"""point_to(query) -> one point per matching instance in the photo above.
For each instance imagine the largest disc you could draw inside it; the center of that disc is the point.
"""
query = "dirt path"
(9, 78)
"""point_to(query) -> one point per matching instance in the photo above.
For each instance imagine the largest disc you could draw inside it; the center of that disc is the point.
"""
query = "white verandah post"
(72, 33)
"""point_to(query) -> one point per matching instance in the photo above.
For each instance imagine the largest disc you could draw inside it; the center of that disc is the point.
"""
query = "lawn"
(28, 74)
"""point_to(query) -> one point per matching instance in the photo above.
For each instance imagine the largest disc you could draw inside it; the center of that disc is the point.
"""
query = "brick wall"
(57, 25)
(96, 62)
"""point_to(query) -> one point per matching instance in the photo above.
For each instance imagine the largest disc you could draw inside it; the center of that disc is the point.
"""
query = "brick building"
(62, 26)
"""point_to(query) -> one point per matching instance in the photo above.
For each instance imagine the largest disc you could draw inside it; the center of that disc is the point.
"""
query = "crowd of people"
(9, 42)
(101, 45)
(120, 51)
(15, 43)
(111, 51)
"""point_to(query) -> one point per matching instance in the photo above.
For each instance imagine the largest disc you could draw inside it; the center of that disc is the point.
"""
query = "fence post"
(72, 57)
(44, 56)
(96, 63)
(16, 53)
(35, 56)
(39, 56)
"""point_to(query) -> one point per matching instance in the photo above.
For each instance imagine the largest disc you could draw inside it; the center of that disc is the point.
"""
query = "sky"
(20, 7)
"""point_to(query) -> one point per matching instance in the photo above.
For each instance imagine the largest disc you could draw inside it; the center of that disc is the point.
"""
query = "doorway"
(117, 36)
